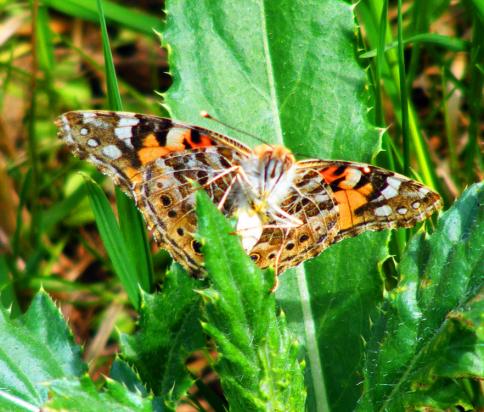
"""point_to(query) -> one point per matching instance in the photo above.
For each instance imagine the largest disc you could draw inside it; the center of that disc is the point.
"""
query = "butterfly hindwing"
(166, 197)
(310, 201)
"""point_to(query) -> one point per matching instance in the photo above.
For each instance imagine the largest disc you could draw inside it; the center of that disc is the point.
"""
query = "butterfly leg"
(295, 222)
(221, 174)
(226, 194)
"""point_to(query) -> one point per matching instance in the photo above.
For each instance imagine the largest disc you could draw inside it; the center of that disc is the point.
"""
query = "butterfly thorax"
(265, 180)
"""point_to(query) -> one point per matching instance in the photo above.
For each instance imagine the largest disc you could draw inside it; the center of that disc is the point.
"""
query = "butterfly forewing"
(120, 143)
(157, 161)
(372, 198)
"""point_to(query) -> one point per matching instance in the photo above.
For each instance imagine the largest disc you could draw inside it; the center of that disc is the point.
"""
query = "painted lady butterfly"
(287, 211)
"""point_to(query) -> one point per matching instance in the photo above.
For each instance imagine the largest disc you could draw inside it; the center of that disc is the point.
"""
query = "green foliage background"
(373, 323)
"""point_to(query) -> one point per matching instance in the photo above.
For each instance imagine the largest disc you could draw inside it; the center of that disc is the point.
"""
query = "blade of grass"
(7, 76)
(133, 228)
(446, 42)
(60, 210)
(25, 188)
(117, 13)
(8, 298)
(472, 152)
(479, 8)
(403, 94)
(379, 64)
(45, 48)
(419, 24)
(370, 12)
(114, 99)
(56, 284)
(379, 61)
(149, 104)
(32, 141)
(449, 129)
(130, 220)
(113, 241)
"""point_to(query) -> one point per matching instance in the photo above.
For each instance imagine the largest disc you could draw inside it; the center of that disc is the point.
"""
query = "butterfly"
(287, 211)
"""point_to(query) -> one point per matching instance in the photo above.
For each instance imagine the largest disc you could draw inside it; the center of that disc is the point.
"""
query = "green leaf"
(430, 324)
(169, 331)
(258, 366)
(457, 352)
(83, 396)
(122, 372)
(447, 394)
(113, 241)
(124, 16)
(35, 348)
(286, 72)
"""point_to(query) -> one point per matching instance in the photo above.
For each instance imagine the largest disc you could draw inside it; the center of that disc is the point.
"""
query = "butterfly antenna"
(207, 115)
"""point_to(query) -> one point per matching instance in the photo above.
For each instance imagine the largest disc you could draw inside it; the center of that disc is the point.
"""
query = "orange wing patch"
(350, 195)
(195, 140)
(348, 202)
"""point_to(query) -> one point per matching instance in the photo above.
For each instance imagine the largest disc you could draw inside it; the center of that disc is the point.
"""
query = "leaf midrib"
(311, 343)
(271, 78)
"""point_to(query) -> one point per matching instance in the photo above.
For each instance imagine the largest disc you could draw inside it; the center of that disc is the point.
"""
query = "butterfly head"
(275, 154)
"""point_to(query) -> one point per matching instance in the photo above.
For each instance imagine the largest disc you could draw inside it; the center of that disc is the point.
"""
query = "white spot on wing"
(92, 143)
(128, 121)
(416, 205)
(175, 136)
(320, 198)
(384, 210)
(112, 152)
(124, 134)
(353, 177)
(86, 116)
(394, 182)
(67, 130)
(424, 191)
(389, 192)
(393, 187)
(402, 210)
(94, 119)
